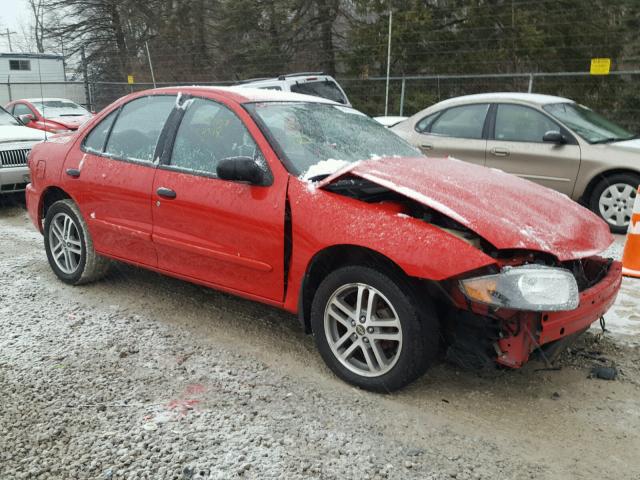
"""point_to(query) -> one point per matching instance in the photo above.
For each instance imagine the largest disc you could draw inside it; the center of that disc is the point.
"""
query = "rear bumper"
(33, 206)
(13, 179)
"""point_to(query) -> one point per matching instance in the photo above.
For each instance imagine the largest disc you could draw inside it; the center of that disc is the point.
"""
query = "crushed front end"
(482, 330)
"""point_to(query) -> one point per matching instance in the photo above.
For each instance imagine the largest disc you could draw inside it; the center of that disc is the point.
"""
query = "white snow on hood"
(324, 167)
(15, 133)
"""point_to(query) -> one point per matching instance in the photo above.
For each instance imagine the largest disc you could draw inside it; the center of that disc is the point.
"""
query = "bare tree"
(38, 10)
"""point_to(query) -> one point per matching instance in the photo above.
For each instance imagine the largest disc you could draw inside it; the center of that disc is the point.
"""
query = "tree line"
(230, 40)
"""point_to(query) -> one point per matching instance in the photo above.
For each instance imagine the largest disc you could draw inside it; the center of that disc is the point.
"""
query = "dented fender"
(322, 219)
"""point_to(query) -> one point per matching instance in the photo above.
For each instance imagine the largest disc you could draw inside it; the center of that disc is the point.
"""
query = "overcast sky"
(14, 14)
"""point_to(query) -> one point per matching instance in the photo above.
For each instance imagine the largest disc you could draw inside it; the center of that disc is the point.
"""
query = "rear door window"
(137, 129)
(462, 122)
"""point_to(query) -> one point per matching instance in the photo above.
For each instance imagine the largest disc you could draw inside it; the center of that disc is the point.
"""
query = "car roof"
(283, 78)
(249, 95)
(530, 98)
(40, 99)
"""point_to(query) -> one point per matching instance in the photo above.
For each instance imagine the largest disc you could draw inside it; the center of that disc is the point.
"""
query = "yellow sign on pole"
(600, 66)
(130, 79)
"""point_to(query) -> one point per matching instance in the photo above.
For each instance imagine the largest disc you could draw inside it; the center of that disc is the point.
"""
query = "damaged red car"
(389, 258)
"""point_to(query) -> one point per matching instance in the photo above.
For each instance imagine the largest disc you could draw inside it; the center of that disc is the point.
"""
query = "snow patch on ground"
(623, 319)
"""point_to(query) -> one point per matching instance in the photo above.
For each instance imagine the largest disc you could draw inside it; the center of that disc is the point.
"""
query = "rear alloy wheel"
(65, 243)
(69, 246)
(613, 200)
(371, 330)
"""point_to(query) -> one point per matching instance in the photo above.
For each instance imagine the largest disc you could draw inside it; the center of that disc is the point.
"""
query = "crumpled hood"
(507, 211)
(15, 133)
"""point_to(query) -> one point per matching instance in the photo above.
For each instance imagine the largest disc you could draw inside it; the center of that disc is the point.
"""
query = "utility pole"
(64, 62)
(8, 35)
(153, 77)
(86, 78)
(386, 96)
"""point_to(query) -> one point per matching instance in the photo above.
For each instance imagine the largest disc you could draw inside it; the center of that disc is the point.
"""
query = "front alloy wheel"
(612, 199)
(373, 327)
(363, 329)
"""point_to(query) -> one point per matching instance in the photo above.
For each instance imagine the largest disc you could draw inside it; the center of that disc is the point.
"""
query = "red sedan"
(53, 115)
(388, 257)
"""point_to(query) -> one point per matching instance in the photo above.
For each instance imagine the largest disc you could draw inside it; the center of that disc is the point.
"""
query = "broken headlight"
(530, 287)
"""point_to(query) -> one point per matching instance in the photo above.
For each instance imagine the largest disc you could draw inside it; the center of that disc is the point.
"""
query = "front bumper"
(13, 179)
(523, 332)
(539, 329)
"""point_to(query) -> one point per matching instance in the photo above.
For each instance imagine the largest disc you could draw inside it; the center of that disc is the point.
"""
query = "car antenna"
(44, 118)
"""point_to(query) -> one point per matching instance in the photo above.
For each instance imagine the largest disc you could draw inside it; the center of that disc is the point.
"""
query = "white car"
(16, 142)
(316, 84)
(389, 121)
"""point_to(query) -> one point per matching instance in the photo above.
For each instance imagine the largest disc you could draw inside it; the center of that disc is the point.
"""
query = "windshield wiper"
(615, 139)
(608, 140)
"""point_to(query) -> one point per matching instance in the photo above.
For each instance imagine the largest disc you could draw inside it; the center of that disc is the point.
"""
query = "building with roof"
(31, 67)
(25, 75)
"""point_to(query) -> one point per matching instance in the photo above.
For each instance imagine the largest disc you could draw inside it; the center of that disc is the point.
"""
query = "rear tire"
(69, 246)
(612, 199)
(386, 344)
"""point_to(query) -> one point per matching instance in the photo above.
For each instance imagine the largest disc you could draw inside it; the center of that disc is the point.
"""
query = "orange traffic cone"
(631, 255)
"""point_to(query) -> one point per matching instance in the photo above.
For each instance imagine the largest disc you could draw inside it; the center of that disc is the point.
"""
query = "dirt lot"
(142, 376)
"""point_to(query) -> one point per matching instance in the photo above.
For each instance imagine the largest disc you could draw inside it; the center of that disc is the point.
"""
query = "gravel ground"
(143, 376)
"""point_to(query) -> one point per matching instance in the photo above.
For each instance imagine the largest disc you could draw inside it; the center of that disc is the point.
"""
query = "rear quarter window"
(94, 142)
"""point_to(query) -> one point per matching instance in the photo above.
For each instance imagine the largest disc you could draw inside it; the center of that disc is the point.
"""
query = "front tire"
(371, 329)
(612, 199)
(69, 246)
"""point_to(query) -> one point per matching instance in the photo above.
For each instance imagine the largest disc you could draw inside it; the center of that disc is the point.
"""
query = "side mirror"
(554, 136)
(241, 169)
(26, 118)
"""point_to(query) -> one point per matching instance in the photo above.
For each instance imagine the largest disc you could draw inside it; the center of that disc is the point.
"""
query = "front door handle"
(166, 193)
(426, 146)
(73, 172)
(500, 152)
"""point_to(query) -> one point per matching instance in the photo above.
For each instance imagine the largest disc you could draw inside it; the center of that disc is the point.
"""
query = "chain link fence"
(16, 90)
(616, 95)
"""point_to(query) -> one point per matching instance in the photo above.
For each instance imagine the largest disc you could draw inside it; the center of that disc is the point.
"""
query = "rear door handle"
(426, 146)
(73, 172)
(166, 192)
(500, 152)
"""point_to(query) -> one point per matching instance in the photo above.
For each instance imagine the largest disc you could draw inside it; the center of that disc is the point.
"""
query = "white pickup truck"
(16, 141)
